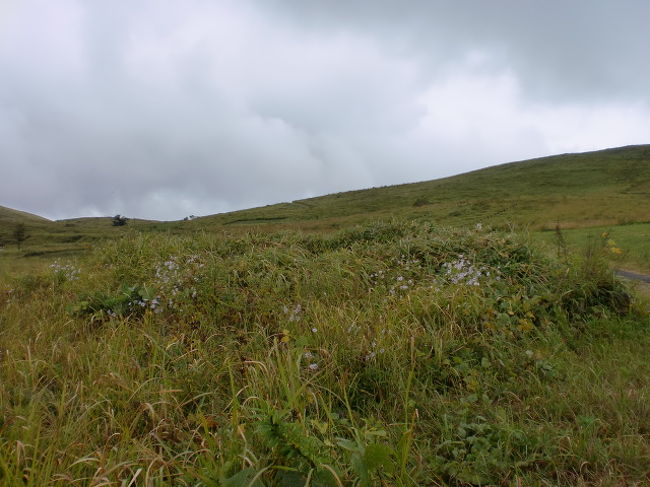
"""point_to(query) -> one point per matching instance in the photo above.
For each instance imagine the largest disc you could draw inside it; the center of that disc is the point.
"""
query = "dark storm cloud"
(575, 49)
(162, 109)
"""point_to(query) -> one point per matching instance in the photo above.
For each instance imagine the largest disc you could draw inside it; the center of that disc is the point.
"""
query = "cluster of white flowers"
(407, 263)
(405, 266)
(403, 284)
(152, 304)
(373, 354)
(374, 351)
(376, 276)
(175, 267)
(462, 271)
(65, 271)
(311, 358)
(178, 274)
(142, 303)
(293, 314)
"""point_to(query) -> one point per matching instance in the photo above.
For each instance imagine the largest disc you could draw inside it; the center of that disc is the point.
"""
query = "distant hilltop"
(610, 186)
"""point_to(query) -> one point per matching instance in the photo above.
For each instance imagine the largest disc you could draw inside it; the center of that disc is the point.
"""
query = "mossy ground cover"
(394, 353)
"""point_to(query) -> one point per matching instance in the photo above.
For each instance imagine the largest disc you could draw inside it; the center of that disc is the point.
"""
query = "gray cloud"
(162, 109)
(577, 49)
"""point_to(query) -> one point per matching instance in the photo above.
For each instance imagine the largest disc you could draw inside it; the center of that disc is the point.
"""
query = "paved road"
(632, 276)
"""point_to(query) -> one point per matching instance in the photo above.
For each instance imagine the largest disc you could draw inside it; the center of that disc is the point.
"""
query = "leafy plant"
(127, 301)
(369, 458)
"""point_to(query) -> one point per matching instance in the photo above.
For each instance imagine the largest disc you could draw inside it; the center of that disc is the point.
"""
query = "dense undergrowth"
(390, 354)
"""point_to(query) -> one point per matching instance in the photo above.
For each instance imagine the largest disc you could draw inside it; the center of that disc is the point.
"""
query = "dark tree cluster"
(20, 234)
(119, 220)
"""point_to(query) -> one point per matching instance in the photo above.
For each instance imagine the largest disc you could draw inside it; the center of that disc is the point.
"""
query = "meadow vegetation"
(395, 353)
(375, 337)
(626, 246)
(603, 188)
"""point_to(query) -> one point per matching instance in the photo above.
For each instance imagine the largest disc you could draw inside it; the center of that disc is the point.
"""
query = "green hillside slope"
(609, 187)
(605, 187)
(9, 217)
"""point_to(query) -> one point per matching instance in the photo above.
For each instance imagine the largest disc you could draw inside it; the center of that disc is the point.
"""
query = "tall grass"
(389, 354)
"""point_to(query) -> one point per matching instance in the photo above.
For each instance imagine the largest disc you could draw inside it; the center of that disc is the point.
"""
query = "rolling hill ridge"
(575, 190)
(607, 187)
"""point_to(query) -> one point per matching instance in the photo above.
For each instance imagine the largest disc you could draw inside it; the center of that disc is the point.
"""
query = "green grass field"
(371, 338)
(389, 354)
(633, 240)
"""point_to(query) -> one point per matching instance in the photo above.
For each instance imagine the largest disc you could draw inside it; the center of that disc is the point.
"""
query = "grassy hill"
(9, 216)
(607, 187)
(593, 188)
(601, 189)
(415, 349)
(585, 194)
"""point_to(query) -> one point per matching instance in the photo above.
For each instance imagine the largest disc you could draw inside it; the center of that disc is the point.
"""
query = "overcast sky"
(165, 108)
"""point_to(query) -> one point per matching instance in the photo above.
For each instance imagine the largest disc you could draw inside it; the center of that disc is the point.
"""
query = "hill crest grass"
(608, 187)
(394, 353)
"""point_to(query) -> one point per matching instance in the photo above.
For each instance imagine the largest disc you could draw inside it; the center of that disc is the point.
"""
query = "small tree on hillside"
(20, 234)
(119, 220)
